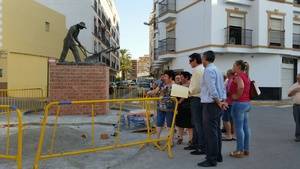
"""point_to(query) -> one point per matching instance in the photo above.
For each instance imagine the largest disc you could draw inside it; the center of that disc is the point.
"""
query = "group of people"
(211, 97)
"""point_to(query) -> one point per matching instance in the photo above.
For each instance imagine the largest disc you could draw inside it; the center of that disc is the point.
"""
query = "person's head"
(298, 77)
(230, 73)
(240, 66)
(195, 59)
(169, 76)
(162, 77)
(208, 57)
(247, 68)
(154, 85)
(185, 77)
(178, 79)
(81, 25)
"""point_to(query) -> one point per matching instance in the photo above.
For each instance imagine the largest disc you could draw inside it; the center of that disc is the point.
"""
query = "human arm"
(194, 83)
(240, 89)
(293, 90)
(210, 78)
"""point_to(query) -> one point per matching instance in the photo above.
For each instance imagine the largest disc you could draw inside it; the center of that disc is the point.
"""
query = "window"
(297, 2)
(1, 72)
(95, 27)
(276, 24)
(276, 32)
(236, 21)
(95, 47)
(95, 6)
(171, 33)
(296, 36)
(47, 26)
(287, 60)
(235, 30)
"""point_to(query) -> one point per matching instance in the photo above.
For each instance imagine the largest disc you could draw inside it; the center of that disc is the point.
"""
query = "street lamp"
(147, 24)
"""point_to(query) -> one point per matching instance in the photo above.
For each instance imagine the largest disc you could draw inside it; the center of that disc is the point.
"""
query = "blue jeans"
(162, 117)
(239, 113)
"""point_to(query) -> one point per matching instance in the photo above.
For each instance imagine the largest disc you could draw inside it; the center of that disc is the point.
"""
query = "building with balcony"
(102, 20)
(143, 66)
(134, 71)
(265, 33)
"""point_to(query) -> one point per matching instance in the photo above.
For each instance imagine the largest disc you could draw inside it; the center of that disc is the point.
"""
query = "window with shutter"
(236, 21)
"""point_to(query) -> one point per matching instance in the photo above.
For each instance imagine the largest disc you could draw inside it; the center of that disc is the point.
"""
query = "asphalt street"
(272, 147)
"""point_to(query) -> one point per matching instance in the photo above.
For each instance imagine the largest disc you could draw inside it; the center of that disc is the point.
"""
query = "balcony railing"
(156, 53)
(238, 36)
(167, 46)
(276, 38)
(167, 6)
(296, 41)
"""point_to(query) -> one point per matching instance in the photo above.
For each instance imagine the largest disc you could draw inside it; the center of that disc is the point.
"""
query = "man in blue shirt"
(213, 95)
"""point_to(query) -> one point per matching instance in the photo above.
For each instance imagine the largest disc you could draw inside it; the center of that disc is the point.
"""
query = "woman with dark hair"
(240, 94)
(166, 106)
(183, 118)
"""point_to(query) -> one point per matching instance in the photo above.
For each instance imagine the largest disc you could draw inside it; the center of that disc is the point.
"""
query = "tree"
(125, 61)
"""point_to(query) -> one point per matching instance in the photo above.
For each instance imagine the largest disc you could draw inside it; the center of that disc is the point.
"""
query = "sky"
(134, 35)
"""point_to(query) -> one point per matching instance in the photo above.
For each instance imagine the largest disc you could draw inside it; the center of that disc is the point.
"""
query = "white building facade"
(265, 33)
(102, 21)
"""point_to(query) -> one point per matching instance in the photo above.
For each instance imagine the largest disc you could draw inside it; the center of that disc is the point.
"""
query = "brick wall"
(79, 82)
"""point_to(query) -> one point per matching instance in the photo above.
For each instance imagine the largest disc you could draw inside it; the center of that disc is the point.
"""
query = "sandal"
(237, 154)
(227, 139)
(179, 141)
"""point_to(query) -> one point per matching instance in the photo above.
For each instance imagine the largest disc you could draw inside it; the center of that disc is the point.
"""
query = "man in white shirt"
(294, 92)
(198, 143)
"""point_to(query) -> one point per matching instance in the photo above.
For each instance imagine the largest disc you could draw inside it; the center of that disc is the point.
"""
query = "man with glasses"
(198, 144)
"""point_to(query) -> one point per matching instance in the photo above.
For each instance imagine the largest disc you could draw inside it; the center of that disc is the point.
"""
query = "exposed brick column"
(79, 82)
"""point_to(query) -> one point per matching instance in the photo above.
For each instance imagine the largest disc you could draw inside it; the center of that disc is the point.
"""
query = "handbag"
(254, 90)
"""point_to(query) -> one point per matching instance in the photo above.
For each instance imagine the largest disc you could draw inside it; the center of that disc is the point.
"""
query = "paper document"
(179, 91)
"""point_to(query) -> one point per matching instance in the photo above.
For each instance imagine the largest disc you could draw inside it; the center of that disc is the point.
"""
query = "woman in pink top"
(240, 94)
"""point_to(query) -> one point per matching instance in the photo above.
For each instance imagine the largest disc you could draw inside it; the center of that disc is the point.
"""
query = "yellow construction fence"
(58, 106)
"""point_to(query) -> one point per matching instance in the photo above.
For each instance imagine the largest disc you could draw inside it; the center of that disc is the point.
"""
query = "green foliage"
(126, 65)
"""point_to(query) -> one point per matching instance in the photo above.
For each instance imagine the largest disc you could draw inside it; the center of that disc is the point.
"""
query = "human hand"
(223, 105)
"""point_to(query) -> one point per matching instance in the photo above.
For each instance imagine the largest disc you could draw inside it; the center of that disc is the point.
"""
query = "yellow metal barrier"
(117, 142)
(8, 110)
(31, 99)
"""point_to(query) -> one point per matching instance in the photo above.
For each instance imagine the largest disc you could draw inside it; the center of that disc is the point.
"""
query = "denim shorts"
(163, 116)
(227, 115)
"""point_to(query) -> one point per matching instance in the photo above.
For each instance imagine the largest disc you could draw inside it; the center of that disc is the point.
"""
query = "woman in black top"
(183, 118)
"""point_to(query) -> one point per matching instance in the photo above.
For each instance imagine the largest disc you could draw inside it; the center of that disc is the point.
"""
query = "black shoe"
(190, 147)
(207, 163)
(297, 139)
(197, 152)
(220, 159)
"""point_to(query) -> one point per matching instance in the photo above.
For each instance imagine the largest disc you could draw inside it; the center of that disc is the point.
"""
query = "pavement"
(272, 147)
(272, 144)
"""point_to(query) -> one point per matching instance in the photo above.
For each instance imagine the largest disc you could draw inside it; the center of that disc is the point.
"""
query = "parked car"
(132, 84)
(122, 85)
(144, 84)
